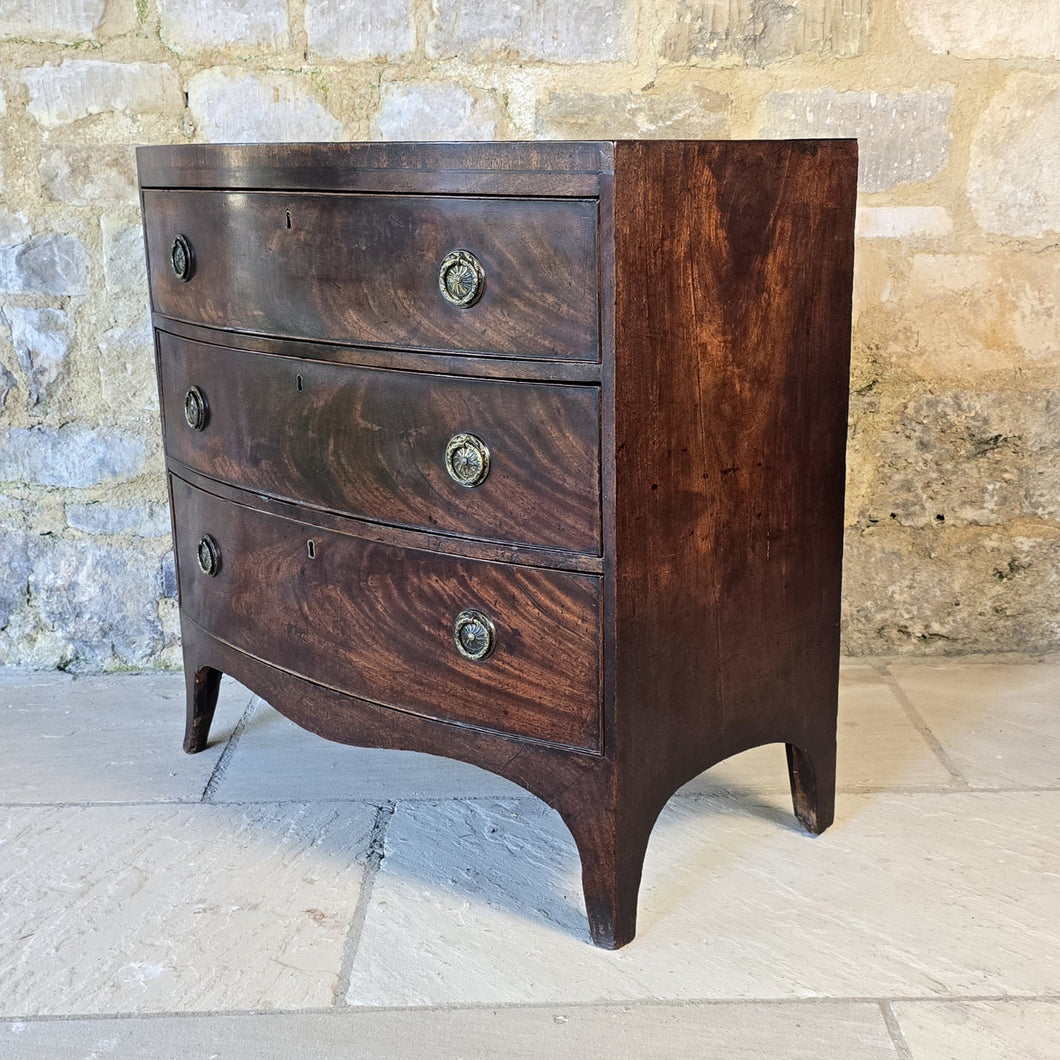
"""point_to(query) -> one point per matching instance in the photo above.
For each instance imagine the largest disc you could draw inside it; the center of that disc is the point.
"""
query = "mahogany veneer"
(631, 571)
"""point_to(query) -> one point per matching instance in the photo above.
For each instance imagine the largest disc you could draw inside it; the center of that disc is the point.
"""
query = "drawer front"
(373, 443)
(378, 622)
(365, 269)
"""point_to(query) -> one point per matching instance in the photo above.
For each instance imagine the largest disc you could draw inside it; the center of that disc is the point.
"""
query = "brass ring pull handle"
(461, 278)
(475, 635)
(209, 553)
(182, 258)
(467, 459)
(195, 408)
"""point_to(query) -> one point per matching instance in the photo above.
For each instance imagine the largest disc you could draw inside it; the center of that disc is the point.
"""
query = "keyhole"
(299, 384)
(288, 214)
(311, 549)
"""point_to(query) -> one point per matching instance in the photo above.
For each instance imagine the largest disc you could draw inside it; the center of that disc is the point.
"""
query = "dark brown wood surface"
(372, 442)
(445, 363)
(731, 379)
(389, 534)
(377, 621)
(724, 274)
(547, 168)
(364, 268)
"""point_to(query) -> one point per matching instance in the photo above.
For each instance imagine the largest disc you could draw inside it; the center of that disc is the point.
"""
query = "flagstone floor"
(279, 896)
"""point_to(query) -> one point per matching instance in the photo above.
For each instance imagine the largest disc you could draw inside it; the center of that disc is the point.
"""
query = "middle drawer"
(503, 461)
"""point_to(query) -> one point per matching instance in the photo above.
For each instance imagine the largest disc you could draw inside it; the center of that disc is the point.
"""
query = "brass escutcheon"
(195, 408)
(209, 556)
(182, 258)
(461, 278)
(467, 459)
(475, 635)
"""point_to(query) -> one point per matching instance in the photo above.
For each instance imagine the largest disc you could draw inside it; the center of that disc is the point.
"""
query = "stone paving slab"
(878, 746)
(906, 895)
(646, 1032)
(275, 759)
(173, 908)
(999, 722)
(981, 1030)
(112, 738)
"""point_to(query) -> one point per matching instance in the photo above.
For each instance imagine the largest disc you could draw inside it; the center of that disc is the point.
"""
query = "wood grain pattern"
(729, 530)
(445, 363)
(725, 274)
(364, 268)
(377, 622)
(551, 168)
(388, 534)
(371, 443)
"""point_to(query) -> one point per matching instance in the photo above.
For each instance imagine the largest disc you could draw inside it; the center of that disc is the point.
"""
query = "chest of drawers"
(530, 455)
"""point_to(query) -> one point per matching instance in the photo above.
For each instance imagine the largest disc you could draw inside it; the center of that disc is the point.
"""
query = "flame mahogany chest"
(526, 454)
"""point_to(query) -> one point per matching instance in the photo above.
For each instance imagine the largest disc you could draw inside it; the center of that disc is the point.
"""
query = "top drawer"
(365, 269)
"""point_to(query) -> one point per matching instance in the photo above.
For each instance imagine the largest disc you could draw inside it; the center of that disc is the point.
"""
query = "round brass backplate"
(475, 635)
(467, 459)
(195, 408)
(461, 278)
(182, 258)
(209, 556)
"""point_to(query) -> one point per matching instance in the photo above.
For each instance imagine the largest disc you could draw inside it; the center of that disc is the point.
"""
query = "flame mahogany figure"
(638, 353)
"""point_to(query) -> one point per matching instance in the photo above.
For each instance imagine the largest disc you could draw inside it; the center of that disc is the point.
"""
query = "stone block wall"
(953, 528)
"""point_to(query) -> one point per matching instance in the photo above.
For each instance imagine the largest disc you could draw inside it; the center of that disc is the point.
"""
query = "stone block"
(138, 909)
(1040, 475)
(996, 720)
(62, 21)
(361, 31)
(956, 458)
(1014, 173)
(168, 574)
(903, 222)
(14, 228)
(90, 174)
(903, 138)
(128, 384)
(238, 107)
(736, 1031)
(124, 261)
(140, 520)
(1018, 29)
(107, 738)
(908, 895)
(433, 111)
(129, 391)
(921, 591)
(77, 88)
(551, 30)
(48, 264)
(7, 383)
(71, 455)
(97, 604)
(193, 25)
(758, 32)
(42, 339)
(15, 567)
(872, 284)
(690, 112)
(1010, 1027)
(280, 761)
(977, 313)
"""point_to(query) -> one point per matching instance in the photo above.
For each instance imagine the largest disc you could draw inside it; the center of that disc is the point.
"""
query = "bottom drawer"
(382, 622)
